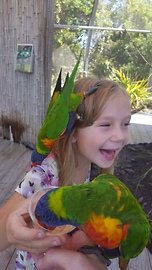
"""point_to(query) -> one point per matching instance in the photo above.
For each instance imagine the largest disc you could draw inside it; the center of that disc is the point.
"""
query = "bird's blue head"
(44, 215)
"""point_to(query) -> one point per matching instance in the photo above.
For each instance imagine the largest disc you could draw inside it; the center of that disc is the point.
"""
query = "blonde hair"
(89, 110)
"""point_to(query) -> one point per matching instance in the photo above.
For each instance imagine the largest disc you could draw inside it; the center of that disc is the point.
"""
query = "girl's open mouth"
(108, 154)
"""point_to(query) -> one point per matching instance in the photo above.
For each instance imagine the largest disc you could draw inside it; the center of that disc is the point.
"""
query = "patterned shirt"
(36, 178)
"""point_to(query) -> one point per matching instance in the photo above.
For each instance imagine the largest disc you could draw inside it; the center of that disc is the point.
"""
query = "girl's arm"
(15, 228)
(5, 211)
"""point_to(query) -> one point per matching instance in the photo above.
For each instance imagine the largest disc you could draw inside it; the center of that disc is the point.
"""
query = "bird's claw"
(95, 250)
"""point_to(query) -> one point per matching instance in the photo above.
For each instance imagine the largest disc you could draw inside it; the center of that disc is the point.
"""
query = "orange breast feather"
(105, 231)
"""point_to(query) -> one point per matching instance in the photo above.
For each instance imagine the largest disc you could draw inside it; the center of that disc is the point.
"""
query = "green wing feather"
(40, 147)
(56, 92)
(63, 102)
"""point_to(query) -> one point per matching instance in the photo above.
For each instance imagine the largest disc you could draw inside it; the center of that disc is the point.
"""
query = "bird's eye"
(38, 216)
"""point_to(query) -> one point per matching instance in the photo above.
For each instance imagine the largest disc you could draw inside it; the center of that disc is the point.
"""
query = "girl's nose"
(119, 134)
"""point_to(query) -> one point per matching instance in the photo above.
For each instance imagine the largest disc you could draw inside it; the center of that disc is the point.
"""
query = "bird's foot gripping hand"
(96, 251)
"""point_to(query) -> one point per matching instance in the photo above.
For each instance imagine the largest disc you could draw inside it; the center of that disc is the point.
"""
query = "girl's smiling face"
(101, 142)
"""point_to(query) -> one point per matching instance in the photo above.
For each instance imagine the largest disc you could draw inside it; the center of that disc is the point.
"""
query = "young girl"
(98, 135)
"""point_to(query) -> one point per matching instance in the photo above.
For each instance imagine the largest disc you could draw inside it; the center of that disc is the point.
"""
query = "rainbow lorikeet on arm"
(105, 209)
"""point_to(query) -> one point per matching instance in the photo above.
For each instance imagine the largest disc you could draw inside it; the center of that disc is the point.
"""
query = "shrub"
(137, 89)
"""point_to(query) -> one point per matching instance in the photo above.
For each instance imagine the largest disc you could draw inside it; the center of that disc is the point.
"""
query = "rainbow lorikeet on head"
(104, 209)
(60, 115)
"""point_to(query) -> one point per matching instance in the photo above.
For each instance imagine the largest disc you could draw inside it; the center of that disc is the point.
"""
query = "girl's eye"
(105, 125)
(127, 124)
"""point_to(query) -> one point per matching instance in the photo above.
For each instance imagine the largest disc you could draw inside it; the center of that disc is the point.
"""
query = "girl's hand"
(62, 259)
(77, 240)
(67, 258)
(21, 234)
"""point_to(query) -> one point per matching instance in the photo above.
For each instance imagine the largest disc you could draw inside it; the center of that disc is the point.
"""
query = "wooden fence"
(24, 96)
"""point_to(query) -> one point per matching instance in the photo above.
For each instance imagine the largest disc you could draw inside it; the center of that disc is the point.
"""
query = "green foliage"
(71, 12)
(118, 49)
(137, 89)
(108, 49)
